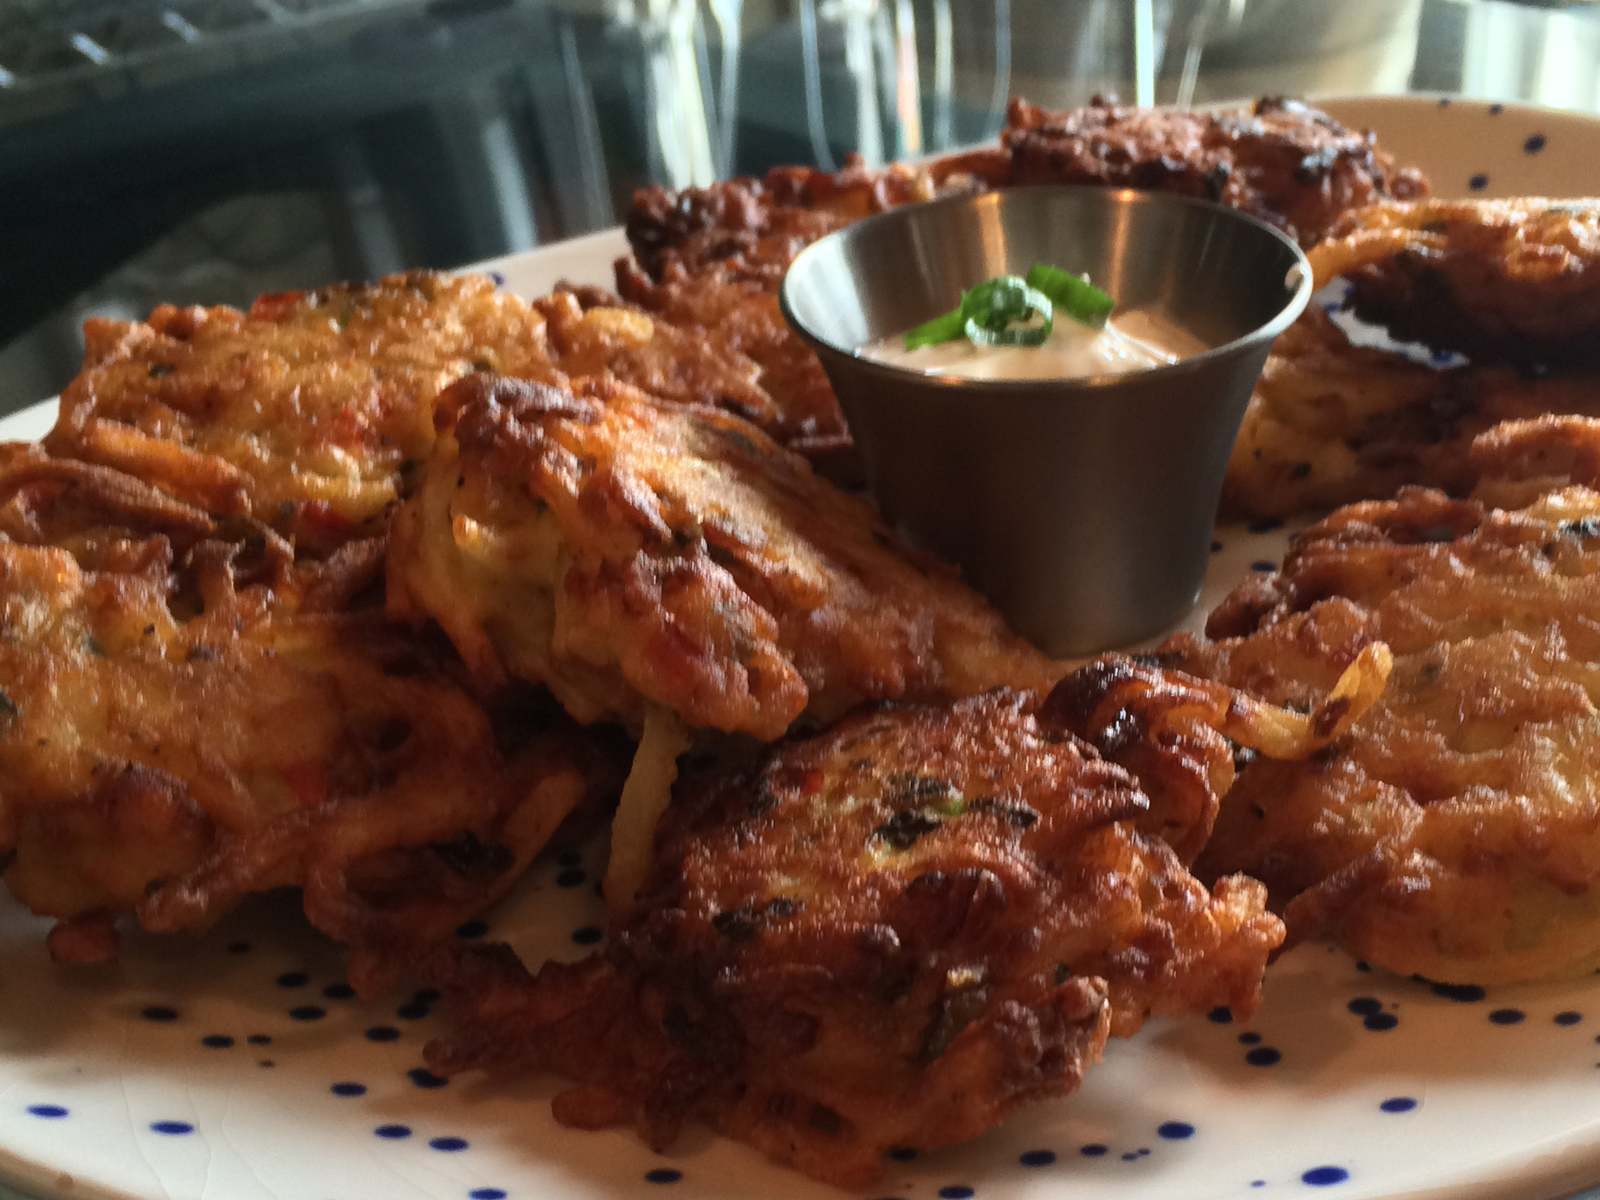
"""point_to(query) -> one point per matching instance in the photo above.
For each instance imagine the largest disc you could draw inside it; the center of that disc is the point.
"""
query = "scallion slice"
(1071, 294)
(1013, 311)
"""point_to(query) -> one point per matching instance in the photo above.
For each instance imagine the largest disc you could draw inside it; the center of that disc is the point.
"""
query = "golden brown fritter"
(592, 333)
(743, 317)
(621, 550)
(1331, 422)
(894, 934)
(184, 720)
(1456, 833)
(302, 415)
(755, 227)
(1284, 162)
(1511, 280)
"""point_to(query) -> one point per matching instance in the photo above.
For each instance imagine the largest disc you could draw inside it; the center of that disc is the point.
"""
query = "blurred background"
(203, 151)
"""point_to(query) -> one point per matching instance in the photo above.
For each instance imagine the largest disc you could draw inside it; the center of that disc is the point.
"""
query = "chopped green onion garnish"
(944, 328)
(1071, 294)
(1012, 311)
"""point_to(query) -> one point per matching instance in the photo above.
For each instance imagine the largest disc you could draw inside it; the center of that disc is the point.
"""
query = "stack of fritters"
(910, 881)
(199, 695)
(1456, 832)
(1512, 285)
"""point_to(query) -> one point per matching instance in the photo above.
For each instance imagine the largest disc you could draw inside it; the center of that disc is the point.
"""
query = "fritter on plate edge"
(1456, 833)
(186, 719)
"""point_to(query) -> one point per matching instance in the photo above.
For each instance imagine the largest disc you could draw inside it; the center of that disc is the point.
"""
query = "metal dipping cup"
(1082, 507)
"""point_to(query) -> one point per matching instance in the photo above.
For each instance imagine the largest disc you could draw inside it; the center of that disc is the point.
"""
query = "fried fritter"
(894, 934)
(1284, 162)
(1455, 833)
(592, 333)
(185, 720)
(1495, 280)
(744, 318)
(1331, 422)
(621, 550)
(755, 227)
(302, 415)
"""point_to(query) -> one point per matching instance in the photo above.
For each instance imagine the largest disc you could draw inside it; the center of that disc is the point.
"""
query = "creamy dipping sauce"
(1130, 341)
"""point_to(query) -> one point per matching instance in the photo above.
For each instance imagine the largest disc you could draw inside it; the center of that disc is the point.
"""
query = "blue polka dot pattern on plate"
(1507, 1016)
(172, 1128)
(901, 1153)
(393, 1133)
(1264, 1056)
(412, 1011)
(956, 1191)
(1534, 144)
(663, 1175)
(1325, 1176)
(425, 1078)
(307, 1012)
(259, 1039)
(587, 935)
(1365, 1006)
(216, 1041)
(450, 1145)
(1567, 1018)
(1221, 1015)
(1398, 1104)
(1380, 1022)
(571, 877)
(339, 991)
(1093, 1150)
(349, 1089)
(159, 1012)
(1036, 1158)
(1262, 566)
(1175, 1131)
(293, 979)
(487, 1194)
(1478, 182)
(50, 1112)
(1249, 1039)
(499, 280)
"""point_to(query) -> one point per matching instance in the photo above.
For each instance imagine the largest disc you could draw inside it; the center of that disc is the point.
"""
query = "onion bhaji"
(622, 550)
(188, 716)
(894, 934)
(901, 930)
(302, 415)
(1495, 280)
(1455, 833)
(1331, 422)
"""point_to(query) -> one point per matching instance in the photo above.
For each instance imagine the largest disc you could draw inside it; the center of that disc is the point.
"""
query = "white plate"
(232, 1066)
